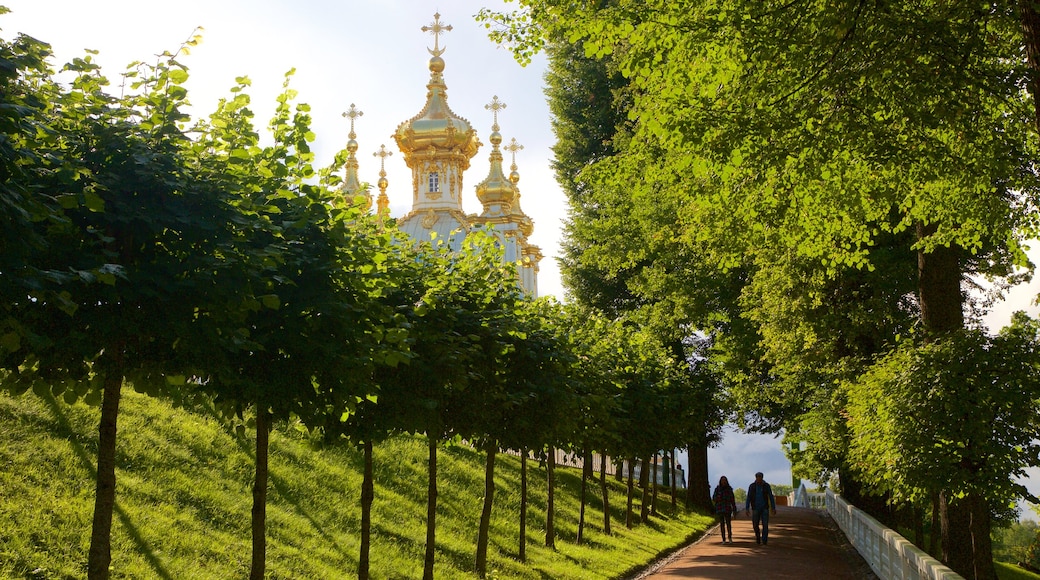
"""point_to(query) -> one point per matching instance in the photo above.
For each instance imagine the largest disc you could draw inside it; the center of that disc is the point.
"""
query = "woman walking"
(725, 508)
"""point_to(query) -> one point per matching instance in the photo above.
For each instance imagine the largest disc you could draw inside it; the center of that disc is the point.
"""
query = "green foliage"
(954, 414)
(184, 471)
(1011, 543)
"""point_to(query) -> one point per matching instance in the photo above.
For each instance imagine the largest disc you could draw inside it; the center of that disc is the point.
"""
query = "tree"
(820, 134)
(908, 415)
(307, 270)
(123, 248)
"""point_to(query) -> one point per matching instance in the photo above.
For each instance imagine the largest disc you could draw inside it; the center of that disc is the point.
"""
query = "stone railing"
(891, 556)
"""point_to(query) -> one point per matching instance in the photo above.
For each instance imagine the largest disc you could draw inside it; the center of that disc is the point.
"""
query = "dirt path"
(803, 544)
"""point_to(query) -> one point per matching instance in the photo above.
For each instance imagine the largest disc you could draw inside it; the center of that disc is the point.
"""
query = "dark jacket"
(769, 502)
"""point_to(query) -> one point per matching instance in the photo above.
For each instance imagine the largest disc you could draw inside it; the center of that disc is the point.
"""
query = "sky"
(373, 55)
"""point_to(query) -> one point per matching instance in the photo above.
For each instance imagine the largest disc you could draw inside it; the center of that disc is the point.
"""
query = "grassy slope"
(1007, 571)
(184, 498)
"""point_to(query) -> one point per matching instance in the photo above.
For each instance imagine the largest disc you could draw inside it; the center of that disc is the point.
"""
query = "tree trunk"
(965, 523)
(917, 513)
(980, 537)
(644, 485)
(619, 470)
(263, 434)
(606, 494)
(674, 485)
(523, 505)
(485, 514)
(586, 472)
(1030, 18)
(431, 510)
(653, 485)
(367, 497)
(99, 558)
(955, 526)
(933, 542)
(550, 478)
(631, 492)
(698, 488)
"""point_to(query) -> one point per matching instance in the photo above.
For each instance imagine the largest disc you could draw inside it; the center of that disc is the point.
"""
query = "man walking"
(760, 502)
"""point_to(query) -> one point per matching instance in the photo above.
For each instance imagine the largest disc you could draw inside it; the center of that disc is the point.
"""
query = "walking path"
(803, 543)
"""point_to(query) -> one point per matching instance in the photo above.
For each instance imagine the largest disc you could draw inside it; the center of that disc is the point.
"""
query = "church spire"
(496, 192)
(437, 146)
(351, 186)
(523, 221)
(383, 202)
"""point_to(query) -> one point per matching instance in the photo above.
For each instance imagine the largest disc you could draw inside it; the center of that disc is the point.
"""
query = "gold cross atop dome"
(513, 147)
(352, 114)
(382, 154)
(495, 106)
(436, 28)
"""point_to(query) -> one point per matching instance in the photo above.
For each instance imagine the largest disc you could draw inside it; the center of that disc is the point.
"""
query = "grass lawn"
(183, 504)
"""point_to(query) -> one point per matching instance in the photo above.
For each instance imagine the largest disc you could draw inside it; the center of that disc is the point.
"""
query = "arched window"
(435, 182)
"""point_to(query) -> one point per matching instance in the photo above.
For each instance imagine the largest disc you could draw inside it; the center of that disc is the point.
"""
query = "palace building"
(437, 146)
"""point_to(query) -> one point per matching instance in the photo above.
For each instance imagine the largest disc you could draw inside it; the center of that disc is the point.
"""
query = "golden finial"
(382, 154)
(352, 114)
(495, 106)
(513, 147)
(436, 28)
(383, 203)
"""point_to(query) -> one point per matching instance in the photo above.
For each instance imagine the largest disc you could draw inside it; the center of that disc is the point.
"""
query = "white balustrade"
(890, 555)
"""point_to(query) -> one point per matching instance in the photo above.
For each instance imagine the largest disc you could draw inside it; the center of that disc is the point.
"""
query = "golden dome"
(496, 190)
(437, 126)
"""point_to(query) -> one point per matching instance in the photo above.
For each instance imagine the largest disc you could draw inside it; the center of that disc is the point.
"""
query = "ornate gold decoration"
(436, 28)
(495, 106)
(352, 114)
(351, 186)
(512, 148)
(383, 203)
(429, 220)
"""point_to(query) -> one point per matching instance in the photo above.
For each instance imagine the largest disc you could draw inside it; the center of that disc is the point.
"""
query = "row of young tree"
(192, 257)
(818, 188)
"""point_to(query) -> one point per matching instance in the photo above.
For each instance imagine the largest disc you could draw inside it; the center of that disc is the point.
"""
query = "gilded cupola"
(522, 220)
(437, 126)
(496, 192)
(437, 146)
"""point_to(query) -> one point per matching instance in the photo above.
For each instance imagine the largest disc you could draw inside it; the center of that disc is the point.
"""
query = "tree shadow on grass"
(88, 464)
(285, 493)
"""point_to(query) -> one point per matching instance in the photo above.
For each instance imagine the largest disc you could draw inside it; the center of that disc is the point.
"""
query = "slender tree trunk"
(653, 485)
(523, 505)
(367, 497)
(629, 516)
(586, 472)
(263, 434)
(933, 543)
(550, 508)
(431, 510)
(99, 558)
(674, 485)
(698, 488)
(619, 470)
(606, 494)
(485, 514)
(644, 485)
